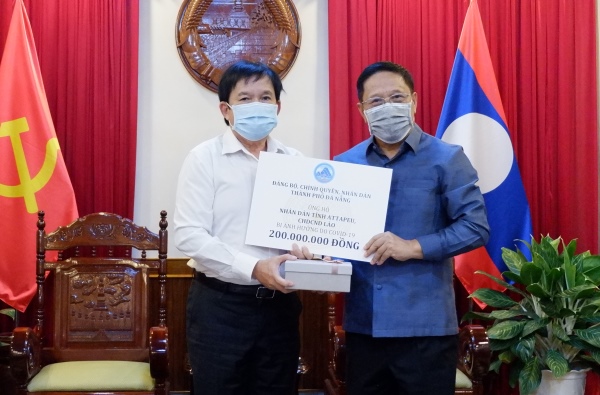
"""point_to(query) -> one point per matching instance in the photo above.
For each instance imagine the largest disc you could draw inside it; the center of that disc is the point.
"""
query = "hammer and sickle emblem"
(28, 186)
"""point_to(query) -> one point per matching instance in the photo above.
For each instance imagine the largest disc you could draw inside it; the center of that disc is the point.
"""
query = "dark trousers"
(401, 366)
(239, 344)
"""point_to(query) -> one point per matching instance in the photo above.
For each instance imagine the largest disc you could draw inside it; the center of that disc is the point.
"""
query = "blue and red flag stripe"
(473, 116)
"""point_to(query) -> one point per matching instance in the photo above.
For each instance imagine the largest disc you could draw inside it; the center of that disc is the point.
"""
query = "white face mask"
(390, 122)
(254, 121)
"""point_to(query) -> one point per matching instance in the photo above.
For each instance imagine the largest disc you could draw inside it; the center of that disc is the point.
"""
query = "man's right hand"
(266, 272)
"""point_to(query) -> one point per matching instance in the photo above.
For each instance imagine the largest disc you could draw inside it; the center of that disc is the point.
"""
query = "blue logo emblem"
(324, 172)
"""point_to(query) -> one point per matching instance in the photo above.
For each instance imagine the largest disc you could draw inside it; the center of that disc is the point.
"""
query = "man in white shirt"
(242, 321)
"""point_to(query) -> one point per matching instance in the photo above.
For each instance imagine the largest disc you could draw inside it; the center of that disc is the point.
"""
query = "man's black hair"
(382, 66)
(246, 70)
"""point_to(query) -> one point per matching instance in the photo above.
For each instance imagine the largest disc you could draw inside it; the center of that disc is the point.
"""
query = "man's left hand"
(388, 245)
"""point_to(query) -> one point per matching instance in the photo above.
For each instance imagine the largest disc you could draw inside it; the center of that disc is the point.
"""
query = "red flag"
(473, 116)
(33, 175)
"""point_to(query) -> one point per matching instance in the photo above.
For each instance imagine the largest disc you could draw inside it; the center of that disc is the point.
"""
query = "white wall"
(176, 113)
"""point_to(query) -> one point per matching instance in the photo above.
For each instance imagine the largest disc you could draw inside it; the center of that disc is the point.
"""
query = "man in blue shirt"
(400, 316)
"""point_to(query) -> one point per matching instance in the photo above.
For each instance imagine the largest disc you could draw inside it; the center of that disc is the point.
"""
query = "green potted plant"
(9, 312)
(7, 382)
(553, 322)
(5, 340)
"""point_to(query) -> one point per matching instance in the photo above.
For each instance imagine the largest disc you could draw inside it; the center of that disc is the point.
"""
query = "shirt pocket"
(415, 209)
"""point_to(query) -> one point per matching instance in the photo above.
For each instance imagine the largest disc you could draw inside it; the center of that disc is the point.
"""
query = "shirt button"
(379, 286)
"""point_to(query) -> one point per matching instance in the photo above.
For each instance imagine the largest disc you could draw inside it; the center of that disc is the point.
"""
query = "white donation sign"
(333, 208)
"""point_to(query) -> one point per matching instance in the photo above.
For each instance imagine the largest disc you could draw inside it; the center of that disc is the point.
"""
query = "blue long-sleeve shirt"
(433, 199)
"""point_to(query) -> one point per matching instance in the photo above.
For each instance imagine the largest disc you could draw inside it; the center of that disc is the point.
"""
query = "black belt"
(258, 291)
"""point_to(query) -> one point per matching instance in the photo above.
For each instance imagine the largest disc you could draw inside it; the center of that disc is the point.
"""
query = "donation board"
(333, 208)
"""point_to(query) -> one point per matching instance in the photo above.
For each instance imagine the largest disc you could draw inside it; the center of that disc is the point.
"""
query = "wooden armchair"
(472, 365)
(93, 330)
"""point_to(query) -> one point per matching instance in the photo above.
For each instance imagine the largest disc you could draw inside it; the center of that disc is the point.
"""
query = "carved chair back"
(94, 305)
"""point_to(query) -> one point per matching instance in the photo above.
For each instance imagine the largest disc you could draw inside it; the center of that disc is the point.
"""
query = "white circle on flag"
(486, 144)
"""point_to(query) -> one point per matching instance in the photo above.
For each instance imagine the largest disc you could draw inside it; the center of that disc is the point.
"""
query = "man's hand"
(266, 272)
(301, 253)
(386, 245)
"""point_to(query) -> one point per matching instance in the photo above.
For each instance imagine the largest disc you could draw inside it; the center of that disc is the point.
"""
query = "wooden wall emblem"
(213, 34)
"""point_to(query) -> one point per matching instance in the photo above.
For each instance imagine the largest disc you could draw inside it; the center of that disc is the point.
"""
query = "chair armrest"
(159, 353)
(474, 353)
(25, 355)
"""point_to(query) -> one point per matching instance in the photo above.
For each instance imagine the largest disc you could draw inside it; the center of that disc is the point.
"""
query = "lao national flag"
(473, 116)
(33, 175)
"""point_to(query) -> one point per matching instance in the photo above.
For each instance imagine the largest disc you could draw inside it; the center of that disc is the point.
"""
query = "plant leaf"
(530, 273)
(547, 251)
(549, 308)
(470, 315)
(495, 366)
(514, 277)
(595, 301)
(505, 330)
(539, 259)
(576, 342)
(571, 248)
(513, 260)
(493, 298)
(590, 335)
(530, 376)
(524, 348)
(559, 332)
(570, 274)
(595, 354)
(499, 345)
(506, 314)
(590, 316)
(9, 312)
(502, 282)
(515, 370)
(557, 363)
(583, 358)
(496, 279)
(533, 325)
(506, 357)
(537, 290)
(553, 278)
(579, 292)
(590, 266)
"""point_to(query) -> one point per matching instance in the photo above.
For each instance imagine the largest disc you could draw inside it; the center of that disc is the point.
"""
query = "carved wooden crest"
(213, 34)
(100, 306)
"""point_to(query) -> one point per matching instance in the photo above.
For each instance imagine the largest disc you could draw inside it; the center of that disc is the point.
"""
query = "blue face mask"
(254, 121)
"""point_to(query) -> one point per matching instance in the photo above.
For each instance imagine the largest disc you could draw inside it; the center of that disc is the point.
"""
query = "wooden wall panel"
(313, 332)
(313, 328)
(179, 277)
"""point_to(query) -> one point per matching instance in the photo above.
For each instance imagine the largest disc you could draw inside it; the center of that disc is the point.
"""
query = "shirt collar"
(231, 144)
(414, 138)
(411, 142)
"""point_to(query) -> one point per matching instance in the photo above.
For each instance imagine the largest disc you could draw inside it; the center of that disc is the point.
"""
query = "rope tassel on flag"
(473, 117)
